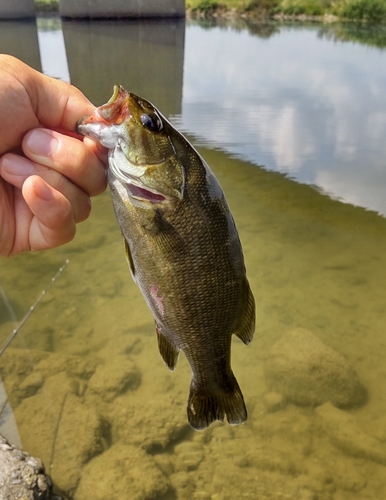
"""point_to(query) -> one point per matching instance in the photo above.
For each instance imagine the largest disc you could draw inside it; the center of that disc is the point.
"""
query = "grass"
(364, 10)
(47, 5)
(204, 4)
(207, 7)
(361, 10)
(299, 8)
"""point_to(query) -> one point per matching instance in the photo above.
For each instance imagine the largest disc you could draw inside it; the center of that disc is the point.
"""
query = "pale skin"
(46, 176)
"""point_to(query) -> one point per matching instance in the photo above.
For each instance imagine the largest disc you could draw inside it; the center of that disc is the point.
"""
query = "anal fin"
(168, 350)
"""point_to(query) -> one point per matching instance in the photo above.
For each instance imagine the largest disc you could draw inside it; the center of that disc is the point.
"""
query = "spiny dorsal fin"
(246, 327)
(167, 349)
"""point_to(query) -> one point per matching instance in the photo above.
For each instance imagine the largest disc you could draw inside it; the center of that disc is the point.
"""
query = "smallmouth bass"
(182, 247)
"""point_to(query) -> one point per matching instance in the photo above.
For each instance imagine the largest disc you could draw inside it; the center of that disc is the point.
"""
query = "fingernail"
(17, 165)
(41, 142)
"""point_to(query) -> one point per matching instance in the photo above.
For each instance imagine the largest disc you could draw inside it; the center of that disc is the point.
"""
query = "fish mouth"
(141, 193)
(136, 190)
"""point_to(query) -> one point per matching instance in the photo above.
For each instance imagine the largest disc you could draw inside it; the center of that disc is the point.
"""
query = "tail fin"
(206, 405)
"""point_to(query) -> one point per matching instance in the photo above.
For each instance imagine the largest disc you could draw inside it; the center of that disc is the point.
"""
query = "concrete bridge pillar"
(17, 9)
(146, 57)
(20, 39)
(121, 8)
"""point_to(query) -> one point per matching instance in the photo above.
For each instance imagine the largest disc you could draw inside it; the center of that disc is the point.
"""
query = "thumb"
(59, 104)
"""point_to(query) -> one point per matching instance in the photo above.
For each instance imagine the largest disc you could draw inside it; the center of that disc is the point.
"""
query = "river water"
(292, 120)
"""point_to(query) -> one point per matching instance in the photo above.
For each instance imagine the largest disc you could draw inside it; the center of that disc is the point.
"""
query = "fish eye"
(153, 123)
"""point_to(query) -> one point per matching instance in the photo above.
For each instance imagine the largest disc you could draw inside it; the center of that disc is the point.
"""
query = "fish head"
(142, 157)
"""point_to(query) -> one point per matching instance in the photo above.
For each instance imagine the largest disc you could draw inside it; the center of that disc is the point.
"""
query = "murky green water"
(84, 387)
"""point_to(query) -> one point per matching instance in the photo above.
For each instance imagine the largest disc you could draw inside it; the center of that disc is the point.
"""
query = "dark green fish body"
(183, 250)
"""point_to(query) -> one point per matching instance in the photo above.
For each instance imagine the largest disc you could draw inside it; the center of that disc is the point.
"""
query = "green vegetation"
(361, 10)
(206, 6)
(300, 8)
(364, 10)
(363, 33)
(373, 11)
(47, 5)
(229, 4)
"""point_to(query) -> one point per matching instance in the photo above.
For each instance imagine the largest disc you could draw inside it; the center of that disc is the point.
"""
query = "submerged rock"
(189, 455)
(17, 373)
(79, 438)
(150, 423)
(122, 472)
(23, 371)
(31, 384)
(307, 372)
(274, 401)
(347, 474)
(184, 483)
(345, 434)
(66, 432)
(21, 475)
(112, 379)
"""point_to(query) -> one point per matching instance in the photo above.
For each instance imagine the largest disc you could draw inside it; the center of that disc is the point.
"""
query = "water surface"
(304, 101)
(85, 387)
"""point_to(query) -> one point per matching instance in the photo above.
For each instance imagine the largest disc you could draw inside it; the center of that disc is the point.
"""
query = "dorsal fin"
(246, 327)
(168, 350)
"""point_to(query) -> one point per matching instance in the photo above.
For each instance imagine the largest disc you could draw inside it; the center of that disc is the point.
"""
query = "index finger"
(68, 156)
(59, 104)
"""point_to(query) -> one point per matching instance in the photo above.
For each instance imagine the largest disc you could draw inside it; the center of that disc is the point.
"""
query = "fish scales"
(183, 249)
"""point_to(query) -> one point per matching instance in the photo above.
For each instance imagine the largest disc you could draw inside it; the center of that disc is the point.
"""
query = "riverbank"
(327, 10)
(330, 10)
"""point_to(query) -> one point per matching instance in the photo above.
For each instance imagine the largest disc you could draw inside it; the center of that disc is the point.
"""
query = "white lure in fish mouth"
(106, 134)
(128, 174)
(141, 183)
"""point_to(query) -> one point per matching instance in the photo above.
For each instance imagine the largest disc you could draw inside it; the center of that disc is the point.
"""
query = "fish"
(182, 247)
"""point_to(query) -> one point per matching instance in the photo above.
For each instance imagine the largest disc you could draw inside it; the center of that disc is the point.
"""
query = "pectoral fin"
(167, 349)
(246, 326)
(166, 236)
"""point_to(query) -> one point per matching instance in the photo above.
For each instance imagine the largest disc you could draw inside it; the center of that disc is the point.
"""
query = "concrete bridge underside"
(14, 9)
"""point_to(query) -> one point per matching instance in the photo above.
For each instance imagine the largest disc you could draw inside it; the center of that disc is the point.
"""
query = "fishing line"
(5, 401)
(8, 306)
(31, 309)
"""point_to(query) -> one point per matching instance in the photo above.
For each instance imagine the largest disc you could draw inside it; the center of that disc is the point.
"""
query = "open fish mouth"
(135, 188)
(142, 193)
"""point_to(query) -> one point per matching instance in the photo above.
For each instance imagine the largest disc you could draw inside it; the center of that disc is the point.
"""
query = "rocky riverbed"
(86, 391)
(104, 420)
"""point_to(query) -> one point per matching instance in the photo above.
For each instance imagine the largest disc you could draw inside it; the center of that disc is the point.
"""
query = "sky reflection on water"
(298, 102)
(52, 49)
(291, 98)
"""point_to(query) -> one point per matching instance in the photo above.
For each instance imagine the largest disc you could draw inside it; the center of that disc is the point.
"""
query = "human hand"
(46, 176)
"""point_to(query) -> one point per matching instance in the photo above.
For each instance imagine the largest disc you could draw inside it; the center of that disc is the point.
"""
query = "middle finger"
(16, 169)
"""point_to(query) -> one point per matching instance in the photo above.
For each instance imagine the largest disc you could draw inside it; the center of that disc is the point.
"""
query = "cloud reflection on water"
(299, 102)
